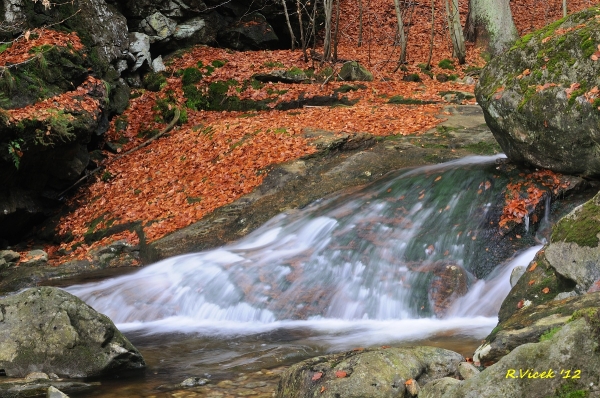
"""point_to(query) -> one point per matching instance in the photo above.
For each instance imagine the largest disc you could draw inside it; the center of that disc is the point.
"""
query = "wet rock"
(539, 100)
(54, 392)
(44, 388)
(194, 382)
(48, 330)
(367, 373)
(353, 71)
(530, 323)
(516, 274)
(158, 65)
(573, 348)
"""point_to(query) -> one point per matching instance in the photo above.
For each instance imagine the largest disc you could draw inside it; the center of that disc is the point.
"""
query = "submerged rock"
(368, 373)
(49, 330)
(541, 98)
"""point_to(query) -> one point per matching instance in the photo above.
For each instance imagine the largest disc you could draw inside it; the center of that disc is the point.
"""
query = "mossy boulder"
(353, 71)
(540, 98)
(49, 330)
(367, 373)
(564, 365)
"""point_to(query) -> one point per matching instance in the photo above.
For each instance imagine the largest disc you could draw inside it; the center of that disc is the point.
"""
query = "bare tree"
(360, 23)
(490, 25)
(432, 34)
(328, 10)
(459, 50)
(287, 19)
(401, 35)
(564, 8)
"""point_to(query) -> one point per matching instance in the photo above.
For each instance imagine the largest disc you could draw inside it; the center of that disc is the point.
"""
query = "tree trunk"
(459, 50)
(432, 34)
(490, 25)
(302, 37)
(401, 34)
(287, 19)
(564, 8)
(337, 29)
(328, 10)
(360, 23)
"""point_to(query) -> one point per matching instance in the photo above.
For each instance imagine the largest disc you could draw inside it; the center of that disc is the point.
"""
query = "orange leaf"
(408, 382)
(317, 376)
(533, 266)
(438, 178)
(546, 290)
(385, 346)
(340, 374)
(322, 389)
(531, 282)
(520, 304)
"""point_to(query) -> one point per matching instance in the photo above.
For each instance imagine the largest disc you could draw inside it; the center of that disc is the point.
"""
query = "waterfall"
(369, 264)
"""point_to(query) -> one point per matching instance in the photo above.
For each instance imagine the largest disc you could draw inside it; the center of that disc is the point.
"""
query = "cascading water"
(369, 266)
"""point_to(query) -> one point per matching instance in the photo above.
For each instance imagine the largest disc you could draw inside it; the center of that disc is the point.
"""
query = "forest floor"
(212, 158)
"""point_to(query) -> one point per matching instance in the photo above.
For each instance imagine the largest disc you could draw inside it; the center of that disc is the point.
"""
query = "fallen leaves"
(22, 48)
(340, 374)
(317, 376)
(546, 290)
(533, 266)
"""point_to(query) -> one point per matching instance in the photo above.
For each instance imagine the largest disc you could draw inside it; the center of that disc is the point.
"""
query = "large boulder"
(368, 373)
(49, 330)
(541, 98)
(564, 365)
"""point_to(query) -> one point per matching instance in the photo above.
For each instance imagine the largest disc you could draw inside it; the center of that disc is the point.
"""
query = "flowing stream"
(400, 261)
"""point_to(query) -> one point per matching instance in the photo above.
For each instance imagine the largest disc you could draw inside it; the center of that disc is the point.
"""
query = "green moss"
(400, 100)
(588, 46)
(484, 148)
(4, 46)
(294, 71)
(570, 390)
(582, 230)
(548, 334)
(191, 76)
(217, 63)
(273, 64)
(587, 313)
(522, 42)
(155, 81)
(446, 64)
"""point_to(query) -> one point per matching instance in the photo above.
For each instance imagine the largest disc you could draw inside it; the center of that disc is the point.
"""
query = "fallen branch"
(168, 128)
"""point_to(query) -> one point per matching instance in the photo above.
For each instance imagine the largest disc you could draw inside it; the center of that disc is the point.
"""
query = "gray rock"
(36, 375)
(41, 388)
(281, 76)
(54, 392)
(49, 330)
(367, 373)
(109, 27)
(158, 65)
(529, 324)
(467, 370)
(189, 28)
(139, 46)
(574, 250)
(194, 382)
(565, 295)
(538, 97)
(9, 256)
(3, 264)
(573, 348)
(35, 258)
(516, 274)
(437, 388)
(353, 71)
(158, 27)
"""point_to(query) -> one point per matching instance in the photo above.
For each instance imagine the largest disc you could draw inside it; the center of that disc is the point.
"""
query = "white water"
(348, 270)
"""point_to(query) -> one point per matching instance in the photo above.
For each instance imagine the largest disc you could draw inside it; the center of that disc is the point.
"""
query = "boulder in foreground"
(49, 330)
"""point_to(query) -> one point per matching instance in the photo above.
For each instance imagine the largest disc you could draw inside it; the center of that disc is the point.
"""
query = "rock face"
(573, 348)
(49, 330)
(541, 99)
(367, 373)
